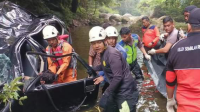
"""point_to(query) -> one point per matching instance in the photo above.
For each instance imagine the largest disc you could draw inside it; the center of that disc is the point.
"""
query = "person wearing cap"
(183, 69)
(171, 37)
(122, 94)
(130, 42)
(63, 67)
(186, 14)
(150, 34)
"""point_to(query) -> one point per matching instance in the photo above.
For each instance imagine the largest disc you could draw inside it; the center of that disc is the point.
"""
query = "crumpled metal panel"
(16, 22)
(13, 23)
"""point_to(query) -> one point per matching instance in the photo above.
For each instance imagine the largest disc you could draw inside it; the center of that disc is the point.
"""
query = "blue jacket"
(121, 50)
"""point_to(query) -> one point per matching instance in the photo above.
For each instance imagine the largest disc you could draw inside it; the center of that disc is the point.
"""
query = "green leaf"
(23, 98)
(16, 95)
(15, 88)
(15, 80)
(20, 102)
(10, 96)
(19, 84)
(4, 100)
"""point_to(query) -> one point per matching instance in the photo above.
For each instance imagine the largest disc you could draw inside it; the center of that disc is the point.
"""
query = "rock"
(135, 19)
(125, 19)
(127, 15)
(76, 23)
(115, 17)
(105, 16)
(113, 22)
(84, 21)
(161, 18)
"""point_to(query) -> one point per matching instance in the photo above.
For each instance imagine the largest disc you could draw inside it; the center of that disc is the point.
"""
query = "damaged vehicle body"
(22, 50)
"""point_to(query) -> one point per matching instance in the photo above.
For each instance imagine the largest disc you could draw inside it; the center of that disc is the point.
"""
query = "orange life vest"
(149, 34)
(57, 52)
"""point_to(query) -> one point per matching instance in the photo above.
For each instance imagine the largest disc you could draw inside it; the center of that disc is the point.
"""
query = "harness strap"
(75, 109)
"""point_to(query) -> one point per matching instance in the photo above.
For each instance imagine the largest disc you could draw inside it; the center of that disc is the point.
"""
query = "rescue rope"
(50, 98)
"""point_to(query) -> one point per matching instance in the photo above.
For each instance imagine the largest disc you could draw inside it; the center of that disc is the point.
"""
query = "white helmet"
(111, 32)
(97, 33)
(49, 32)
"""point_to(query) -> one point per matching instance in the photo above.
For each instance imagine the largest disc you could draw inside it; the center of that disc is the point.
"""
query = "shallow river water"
(150, 99)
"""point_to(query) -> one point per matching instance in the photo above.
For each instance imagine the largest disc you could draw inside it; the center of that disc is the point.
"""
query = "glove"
(162, 37)
(170, 103)
(106, 99)
(148, 57)
(181, 33)
(152, 51)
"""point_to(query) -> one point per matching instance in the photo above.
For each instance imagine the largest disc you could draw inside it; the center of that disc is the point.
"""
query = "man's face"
(186, 15)
(98, 46)
(168, 27)
(111, 41)
(145, 23)
(53, 42)
(126, 38)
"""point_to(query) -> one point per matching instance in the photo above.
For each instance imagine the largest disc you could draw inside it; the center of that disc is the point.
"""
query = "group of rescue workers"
(116, 63)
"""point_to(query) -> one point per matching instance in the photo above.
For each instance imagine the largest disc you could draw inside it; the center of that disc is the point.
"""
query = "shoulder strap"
(147, 29)
(121, 43)
(178, 36)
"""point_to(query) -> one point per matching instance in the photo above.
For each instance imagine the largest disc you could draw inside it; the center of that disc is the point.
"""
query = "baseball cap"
(194, 17)
(190, 8)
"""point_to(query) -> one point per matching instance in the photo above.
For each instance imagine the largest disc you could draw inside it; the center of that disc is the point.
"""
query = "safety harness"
(59, 61)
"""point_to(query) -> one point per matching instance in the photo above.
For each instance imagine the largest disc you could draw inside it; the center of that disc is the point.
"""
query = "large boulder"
(105, 16)
(127, 15)
(135, 19)
(116, 17)
(125, 19)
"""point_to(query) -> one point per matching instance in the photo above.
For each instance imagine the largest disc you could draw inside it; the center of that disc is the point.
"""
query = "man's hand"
(98, 80)
(152, 51)
(150, 44)
(170, 104)
(148, 57)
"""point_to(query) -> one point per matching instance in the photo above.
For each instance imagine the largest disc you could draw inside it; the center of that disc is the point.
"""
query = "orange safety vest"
(149, 34)
(57, 52)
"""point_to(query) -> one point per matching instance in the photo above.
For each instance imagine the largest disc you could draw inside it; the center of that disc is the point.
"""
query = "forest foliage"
(90, 9)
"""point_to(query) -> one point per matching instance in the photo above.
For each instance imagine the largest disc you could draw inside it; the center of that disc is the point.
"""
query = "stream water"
(150, 99)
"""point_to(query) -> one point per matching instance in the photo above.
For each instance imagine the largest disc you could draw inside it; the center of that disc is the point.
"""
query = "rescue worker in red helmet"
(63, 67)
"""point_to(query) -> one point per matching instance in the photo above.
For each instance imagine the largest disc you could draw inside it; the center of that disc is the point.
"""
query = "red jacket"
(183, 68)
